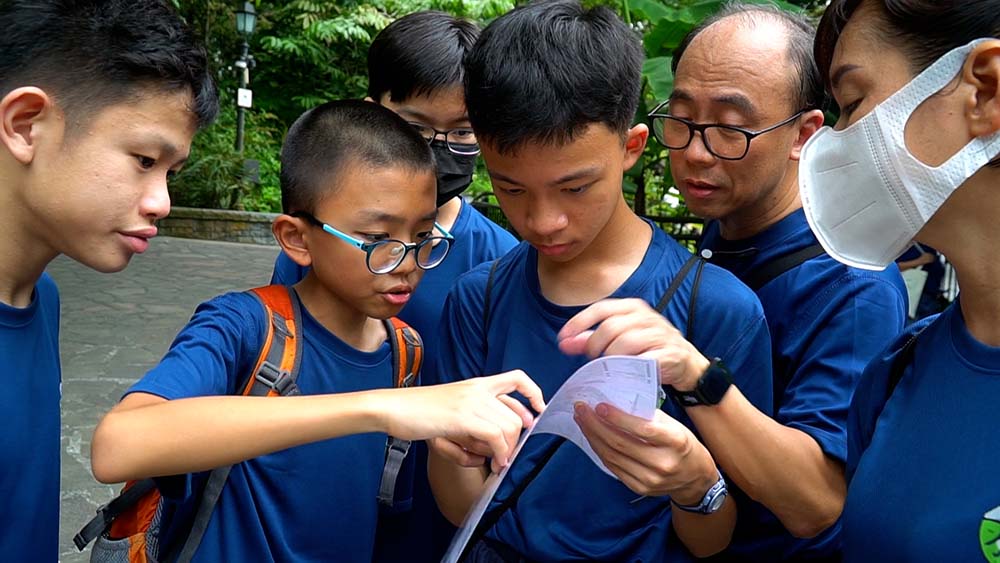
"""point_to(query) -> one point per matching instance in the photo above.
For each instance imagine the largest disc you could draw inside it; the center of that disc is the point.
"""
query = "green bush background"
(308, 52)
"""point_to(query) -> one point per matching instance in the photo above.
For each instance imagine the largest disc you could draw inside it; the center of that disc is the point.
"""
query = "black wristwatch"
(711, 387)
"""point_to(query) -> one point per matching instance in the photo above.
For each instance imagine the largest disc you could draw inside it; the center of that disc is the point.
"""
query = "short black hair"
(92, 54)
(547, 71)
(801, 32)
(419, 54)
(923, 30)
(323, 140)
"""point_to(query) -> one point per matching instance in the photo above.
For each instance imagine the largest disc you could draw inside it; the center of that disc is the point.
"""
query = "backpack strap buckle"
(280, 380)
(395, 452)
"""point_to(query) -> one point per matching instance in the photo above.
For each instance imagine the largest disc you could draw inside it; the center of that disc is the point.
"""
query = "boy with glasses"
(734, 155)
(415, 69)
(552, 90)
(306, 468)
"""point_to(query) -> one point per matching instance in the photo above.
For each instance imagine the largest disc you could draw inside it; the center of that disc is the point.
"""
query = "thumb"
(575, 345)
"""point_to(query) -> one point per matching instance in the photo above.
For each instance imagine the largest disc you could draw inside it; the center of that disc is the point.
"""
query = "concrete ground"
(115, 327)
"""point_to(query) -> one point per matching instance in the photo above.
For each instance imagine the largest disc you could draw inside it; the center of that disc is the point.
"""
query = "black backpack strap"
(675, 284)
(487, 296)
(107, 513)
(407, 358)
(902, 360)
(492, 517)
(761, 276)
(274, 374)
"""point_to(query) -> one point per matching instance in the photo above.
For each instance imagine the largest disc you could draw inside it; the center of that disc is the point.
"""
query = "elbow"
(104, 463)
(806, 527)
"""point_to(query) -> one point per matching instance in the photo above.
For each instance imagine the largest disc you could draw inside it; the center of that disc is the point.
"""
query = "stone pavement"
(115, 327)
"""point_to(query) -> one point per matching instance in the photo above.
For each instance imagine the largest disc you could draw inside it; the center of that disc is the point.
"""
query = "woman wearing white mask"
(916, 155)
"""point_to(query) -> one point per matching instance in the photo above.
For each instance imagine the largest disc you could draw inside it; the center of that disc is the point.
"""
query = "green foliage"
(312, 51)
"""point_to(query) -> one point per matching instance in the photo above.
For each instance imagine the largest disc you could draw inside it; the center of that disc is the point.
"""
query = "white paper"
(630, 383)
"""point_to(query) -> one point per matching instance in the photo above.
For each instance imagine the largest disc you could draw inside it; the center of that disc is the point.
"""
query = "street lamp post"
(246, 21)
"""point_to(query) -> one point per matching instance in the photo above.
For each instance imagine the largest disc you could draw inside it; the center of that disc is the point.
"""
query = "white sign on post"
(244, 98)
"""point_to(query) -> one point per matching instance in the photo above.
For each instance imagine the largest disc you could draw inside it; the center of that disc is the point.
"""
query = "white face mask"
(865, 195)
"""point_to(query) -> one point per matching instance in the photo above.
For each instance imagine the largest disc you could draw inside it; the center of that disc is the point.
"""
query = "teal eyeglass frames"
(384, 256)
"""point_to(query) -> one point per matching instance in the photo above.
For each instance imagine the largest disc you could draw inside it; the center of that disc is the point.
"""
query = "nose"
(155, 202)
(546, 219)
(409, 262)
(696, 151)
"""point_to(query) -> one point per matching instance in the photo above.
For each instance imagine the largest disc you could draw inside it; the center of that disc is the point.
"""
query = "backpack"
(127, 528)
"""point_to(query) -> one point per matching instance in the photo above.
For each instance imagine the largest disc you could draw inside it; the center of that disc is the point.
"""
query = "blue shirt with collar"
(922, 462)
(573, 510)
(827, 321)
(29, 444)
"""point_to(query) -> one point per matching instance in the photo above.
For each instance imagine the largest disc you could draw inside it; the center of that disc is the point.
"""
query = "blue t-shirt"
(29, 443)
(419, 533)
(923, 468)
(827, 321)
(315, 502)
(573, 510)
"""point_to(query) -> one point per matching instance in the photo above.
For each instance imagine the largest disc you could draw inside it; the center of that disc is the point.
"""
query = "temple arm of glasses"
(443, 230)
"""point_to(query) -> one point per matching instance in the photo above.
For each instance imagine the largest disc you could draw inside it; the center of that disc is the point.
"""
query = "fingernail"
(602, 410)
(578, 407)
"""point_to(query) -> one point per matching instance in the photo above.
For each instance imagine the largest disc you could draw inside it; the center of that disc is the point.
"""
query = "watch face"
(716, 503)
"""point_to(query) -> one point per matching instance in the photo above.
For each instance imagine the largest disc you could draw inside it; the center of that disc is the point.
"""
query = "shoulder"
(474, 224)
(498, 270)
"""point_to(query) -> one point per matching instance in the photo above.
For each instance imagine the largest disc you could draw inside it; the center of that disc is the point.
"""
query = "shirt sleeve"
(462, 338)
(844, 328)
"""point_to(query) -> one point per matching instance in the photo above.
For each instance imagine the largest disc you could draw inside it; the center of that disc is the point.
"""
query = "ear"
(635, 143)
(982, 72)
(809, 123)
(291, 234)
(25, 113)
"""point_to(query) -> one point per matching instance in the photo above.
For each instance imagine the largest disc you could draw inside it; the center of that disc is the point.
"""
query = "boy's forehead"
(444, 107)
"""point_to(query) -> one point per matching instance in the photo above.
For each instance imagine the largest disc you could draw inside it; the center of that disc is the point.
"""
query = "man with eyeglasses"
(415, 69)
(745, 101)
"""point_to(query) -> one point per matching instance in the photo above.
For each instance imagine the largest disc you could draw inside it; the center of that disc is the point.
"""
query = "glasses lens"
(673, 133)
(386, 256)
(725, 142)
(426, 132)
(432, 251)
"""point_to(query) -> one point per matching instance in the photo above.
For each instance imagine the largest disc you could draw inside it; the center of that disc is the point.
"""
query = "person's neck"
(965, 231)
(347, 323)
(448, 213)
(23, 256)
(745, 223)
(602, 267)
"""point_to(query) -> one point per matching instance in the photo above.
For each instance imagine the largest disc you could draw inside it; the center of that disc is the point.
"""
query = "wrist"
(696, 367)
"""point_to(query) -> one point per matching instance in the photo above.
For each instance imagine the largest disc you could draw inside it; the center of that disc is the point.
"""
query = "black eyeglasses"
(384, 256)
(461, 140)
(727, 142)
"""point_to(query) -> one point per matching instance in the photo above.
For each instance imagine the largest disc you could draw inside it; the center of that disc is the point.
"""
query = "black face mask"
(454, 171)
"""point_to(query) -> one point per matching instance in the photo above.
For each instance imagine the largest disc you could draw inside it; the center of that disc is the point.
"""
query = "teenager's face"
(95, 193)
(561, 197)
(372, 204)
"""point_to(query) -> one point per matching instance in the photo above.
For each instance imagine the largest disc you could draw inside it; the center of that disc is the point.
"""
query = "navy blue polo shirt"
(827, 321)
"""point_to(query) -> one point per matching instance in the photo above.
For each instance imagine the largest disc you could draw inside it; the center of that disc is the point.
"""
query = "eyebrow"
(739, 101)
(568, 178)
(426, 119)
(379, 216)
(838, 74)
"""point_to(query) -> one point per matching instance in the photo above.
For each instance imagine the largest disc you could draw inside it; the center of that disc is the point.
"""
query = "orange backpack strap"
(407, 358)
(274, 374)
(278, 363)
